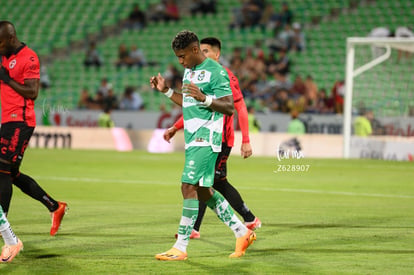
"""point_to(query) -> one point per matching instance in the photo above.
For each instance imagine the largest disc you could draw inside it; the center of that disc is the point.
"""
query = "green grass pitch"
(339, 217)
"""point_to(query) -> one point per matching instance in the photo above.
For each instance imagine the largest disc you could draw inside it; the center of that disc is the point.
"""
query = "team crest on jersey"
(201, 76)
(12, 64)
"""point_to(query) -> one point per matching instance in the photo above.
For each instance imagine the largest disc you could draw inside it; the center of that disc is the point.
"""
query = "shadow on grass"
(273, 251)
(331, 225)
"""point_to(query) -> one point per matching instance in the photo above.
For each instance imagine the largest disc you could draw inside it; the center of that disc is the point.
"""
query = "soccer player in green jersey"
(12, 244)
(205, 97)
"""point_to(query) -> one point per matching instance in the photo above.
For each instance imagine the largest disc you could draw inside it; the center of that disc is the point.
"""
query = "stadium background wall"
(264, 144)
(274, 122)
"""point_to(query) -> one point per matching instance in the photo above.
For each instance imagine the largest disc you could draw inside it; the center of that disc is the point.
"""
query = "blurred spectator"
(311, 90)
(131, 100)
(283, 40)
(172, 76)
(171, 11)
(111, 100)
(137, 18)
(324, 104)
(298, 88)
(282, 64)
(85, 100)
(270, 63)
(203, 6)
(165, 10)
(280, 102)
(104, 87)
(258, 47)
(298, 39)
(156, 11)
(92, 57)
(362, 124)
(123, 56)
(280, 19)
(236, 53)
(249, 61)
(299, 104)
(137, 57)
(265, 21)
(248, 15)
(338, 92)
(104, 119)
(248, 84)
(296, 126)
(260, 65)
(252, 12)
(254, 124)
(44, 77)
(98, 102)
(236, 66)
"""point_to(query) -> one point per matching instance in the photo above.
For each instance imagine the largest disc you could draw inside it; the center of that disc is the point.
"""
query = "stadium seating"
(57, 24)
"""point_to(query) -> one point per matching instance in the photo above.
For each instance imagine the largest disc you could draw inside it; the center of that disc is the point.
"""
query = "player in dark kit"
(19, 87)
(211, 47)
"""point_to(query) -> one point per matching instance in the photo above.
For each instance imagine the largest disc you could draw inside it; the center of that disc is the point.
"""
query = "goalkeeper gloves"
(4, 75)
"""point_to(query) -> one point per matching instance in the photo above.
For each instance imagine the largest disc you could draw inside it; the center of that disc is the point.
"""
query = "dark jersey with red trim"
(228, 125)
(23, 64)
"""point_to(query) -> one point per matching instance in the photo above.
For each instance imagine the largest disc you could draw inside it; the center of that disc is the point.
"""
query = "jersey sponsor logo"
(12, 63)
(190, 175)
(189, 101)
(191, 164)
(201, 76)
(198, 76)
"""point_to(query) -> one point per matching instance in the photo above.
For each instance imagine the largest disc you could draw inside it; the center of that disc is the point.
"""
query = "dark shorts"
(221, 163)
(14, 139)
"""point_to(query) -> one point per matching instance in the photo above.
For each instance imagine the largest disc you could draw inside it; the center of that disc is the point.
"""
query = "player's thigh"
(14, 139)
(199, 166)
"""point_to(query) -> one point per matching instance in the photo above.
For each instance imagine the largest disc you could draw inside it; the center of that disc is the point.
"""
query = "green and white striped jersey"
(202, 125)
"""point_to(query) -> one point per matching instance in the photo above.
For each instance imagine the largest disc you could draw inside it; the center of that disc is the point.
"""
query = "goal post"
(353, 70)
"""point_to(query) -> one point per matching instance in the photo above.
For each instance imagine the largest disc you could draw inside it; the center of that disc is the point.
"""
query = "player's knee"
(14, 171)
(220, 183)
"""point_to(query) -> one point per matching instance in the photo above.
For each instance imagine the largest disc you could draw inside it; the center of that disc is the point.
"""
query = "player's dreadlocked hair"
(212, 41)
(183, 39)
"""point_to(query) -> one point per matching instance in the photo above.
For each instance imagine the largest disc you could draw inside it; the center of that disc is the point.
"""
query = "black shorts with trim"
(14, 139)
(221, 163)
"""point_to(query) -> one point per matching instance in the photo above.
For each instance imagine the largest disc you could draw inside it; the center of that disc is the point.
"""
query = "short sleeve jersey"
(23, 64)
(202, 125)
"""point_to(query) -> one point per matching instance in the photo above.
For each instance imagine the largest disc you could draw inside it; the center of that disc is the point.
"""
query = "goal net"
(379, 78)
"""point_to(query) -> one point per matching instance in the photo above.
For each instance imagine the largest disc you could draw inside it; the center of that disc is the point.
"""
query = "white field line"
(310, 191)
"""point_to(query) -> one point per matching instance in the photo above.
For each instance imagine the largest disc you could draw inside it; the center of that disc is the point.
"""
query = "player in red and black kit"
(19, 87)
(211, 47)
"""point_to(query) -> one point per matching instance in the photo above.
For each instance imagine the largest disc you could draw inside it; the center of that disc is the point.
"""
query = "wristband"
(169, 93)
(207, 102)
